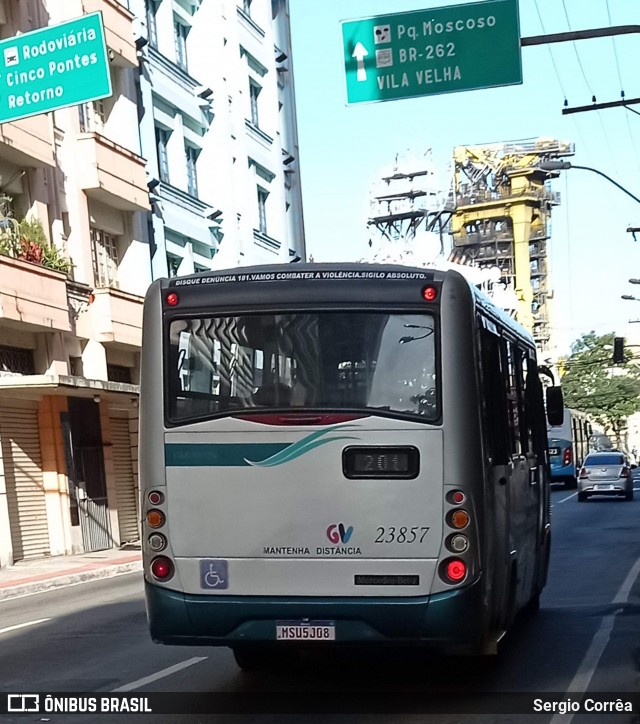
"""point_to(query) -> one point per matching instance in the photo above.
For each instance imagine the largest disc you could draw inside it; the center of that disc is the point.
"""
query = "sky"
(343, 148)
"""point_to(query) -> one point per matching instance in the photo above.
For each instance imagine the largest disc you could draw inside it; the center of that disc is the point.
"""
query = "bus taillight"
(162, 568)
(459, 519)
(155, 518)
(429, 294)
(157, 542)
(458, 543)
(454, 570)
(155, 497)
(566, 460)
(172, 299)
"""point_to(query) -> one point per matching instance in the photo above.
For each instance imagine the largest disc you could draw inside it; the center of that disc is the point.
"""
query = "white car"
(605, 473)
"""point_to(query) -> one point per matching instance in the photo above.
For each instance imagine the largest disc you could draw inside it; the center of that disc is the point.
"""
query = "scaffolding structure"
(409, 199)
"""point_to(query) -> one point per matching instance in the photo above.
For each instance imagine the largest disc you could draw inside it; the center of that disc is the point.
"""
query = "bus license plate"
(305, 631)
(554, 451)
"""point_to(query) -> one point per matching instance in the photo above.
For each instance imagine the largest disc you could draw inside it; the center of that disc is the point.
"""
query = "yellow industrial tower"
(501, 219)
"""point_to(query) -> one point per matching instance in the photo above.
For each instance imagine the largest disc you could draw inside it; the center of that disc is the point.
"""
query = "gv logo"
(338, 534)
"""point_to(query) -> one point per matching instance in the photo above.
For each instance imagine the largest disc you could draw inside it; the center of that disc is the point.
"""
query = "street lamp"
(565, 165)
(634, 281)
(630, 297)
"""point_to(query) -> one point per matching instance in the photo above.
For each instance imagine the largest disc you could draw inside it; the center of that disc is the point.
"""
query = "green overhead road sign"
(57, 66)
(438, 50)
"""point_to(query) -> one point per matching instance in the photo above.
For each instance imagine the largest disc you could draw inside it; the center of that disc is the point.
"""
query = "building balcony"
(265, 241)
(113, 317)
(118, 29)
(28, 142)
(474, 238)
(175, 86)
(111, 174)
(33, 295)
(539, 232)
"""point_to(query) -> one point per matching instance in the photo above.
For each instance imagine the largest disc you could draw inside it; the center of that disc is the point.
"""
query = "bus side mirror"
(555, 405)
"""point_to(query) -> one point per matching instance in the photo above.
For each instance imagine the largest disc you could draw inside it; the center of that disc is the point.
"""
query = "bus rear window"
(325, 360)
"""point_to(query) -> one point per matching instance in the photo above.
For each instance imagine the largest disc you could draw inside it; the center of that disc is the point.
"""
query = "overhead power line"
(615, 53)
(553, 60)
(584, 75)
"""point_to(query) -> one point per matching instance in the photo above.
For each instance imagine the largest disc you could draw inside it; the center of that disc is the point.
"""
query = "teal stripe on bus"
(218, 455)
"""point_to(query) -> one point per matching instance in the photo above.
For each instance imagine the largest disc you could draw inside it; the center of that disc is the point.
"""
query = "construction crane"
(501, 219)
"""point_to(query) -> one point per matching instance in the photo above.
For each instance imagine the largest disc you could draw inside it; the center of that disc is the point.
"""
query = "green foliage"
(32, 231)
(52, 258)
(608, 393)
(10, 243)
(26, 240)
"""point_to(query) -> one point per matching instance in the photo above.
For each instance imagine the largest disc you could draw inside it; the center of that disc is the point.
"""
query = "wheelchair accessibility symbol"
(214, 574)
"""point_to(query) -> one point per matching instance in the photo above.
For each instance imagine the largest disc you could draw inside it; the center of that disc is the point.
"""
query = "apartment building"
(74, 265)
(219, 134)
(191, 164)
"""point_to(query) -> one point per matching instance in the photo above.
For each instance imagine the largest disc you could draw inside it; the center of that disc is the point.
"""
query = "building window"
(173, 264)
(104, 254)
(192, 177)
(262, 210)
(16, 361)
(162, 139)
(118, 373)
(254, 92)
(181, 31)
(92, 116)
(152, 28)
(76, 367)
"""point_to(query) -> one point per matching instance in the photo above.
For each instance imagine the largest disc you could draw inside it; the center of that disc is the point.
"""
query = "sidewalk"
(42, 574)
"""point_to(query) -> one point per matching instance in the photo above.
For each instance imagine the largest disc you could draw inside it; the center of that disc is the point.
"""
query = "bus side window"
(536, 413)
(526, 412)
(495, 399)
(509, 360)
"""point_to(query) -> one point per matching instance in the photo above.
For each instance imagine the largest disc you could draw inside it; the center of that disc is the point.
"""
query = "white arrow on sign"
(359, 53)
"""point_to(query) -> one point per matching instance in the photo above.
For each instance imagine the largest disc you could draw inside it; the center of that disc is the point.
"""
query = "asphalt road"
(93, 637)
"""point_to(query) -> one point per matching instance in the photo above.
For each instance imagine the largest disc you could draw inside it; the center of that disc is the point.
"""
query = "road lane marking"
(160, 674)
(589, 663)
(623, 592)
(23, 625)
(573, 495)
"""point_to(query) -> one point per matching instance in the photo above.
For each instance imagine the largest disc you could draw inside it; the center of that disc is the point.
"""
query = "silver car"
(605, 473)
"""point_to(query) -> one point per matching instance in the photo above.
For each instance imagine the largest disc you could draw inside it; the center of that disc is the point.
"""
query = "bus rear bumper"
(451, 620)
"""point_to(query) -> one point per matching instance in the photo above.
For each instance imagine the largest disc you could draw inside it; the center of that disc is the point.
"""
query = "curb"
(70, 579)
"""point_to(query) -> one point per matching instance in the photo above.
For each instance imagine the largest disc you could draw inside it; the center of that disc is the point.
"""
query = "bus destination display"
(380, 462)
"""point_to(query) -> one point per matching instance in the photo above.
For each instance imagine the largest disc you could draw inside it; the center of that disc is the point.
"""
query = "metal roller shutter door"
(126, 491)
(20, 440)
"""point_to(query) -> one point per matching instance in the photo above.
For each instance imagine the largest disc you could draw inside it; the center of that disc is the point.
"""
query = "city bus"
(339, 454)
(569, 445)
